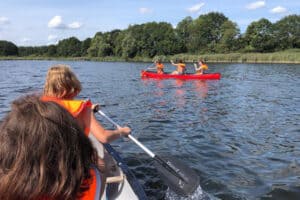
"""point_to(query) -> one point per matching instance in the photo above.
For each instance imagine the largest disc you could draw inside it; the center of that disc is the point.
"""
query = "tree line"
(209, 33)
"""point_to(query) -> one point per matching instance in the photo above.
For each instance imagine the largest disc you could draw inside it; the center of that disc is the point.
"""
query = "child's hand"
(95, 107)
(124, 131)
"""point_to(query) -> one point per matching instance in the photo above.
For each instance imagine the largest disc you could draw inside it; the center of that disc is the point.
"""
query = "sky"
(45, 22)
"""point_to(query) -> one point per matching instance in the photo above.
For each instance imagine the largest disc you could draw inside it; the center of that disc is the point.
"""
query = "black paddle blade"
(178, 176)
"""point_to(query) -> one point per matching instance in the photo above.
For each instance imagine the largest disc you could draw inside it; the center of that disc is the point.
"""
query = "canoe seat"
(114, 174)
(115, 179)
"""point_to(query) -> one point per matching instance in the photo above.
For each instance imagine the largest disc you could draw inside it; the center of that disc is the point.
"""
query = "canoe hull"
(148, 74)
(121, 184)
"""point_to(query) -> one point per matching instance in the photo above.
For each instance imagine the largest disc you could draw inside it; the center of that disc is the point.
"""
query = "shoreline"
(284, 57)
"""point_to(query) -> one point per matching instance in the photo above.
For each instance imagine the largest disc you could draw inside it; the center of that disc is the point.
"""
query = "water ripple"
(240, 134)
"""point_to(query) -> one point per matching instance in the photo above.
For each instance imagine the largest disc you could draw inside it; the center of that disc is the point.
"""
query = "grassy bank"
(289, 56)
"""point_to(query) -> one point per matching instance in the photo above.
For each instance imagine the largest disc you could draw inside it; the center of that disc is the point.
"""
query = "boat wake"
(199, 194)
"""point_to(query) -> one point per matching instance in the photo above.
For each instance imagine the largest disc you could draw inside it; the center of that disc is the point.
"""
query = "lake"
(241, 133)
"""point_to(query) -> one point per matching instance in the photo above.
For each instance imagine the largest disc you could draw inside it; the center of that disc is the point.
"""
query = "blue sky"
(44, 22)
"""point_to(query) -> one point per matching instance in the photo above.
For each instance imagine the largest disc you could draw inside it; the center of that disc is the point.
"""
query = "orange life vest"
(181, 67)
(204, 67)
(160, 66)
(75, 107)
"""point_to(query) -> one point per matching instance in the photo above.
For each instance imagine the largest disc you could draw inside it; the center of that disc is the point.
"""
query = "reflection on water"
(201, 88)
(240, 134)
(179, 96)
(179, 88)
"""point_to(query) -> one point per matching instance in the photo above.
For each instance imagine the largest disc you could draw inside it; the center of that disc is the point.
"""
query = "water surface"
(241, 133)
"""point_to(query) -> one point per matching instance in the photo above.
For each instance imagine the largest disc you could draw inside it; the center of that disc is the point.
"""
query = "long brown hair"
(43, 152)
(61, 82)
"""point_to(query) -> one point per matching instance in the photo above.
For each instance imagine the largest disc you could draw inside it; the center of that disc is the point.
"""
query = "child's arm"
(106, 136)
(172, 62)
(151, 68)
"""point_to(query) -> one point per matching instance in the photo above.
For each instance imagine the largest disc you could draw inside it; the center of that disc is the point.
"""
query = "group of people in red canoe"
(200, 67)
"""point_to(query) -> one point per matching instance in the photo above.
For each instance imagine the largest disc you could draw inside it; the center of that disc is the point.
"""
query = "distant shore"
(288, 57)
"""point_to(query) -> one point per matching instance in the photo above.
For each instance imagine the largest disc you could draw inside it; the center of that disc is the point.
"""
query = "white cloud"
(145, 10)
(52, 37)
(278, 9)
(75, 25)
(255, 5)
(57, 23)
(25, 41)
(52, 43)
(196, 8)
(4, 20)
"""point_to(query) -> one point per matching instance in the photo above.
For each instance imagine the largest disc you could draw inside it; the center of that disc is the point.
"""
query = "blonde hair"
(61, 82)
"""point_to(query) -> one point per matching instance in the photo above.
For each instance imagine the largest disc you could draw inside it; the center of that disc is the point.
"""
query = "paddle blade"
(178, 176)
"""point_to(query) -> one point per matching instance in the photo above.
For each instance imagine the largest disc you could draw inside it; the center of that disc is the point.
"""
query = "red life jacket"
(75, 107)
(94, 186)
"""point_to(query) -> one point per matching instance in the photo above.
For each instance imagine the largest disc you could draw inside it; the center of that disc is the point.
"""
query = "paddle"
(179, 177)
(150, 67)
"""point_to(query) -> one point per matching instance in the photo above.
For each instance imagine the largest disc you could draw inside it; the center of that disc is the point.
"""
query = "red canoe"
(147, 74)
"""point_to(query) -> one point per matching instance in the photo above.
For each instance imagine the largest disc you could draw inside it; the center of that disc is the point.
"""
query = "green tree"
(93, 49)
(183, 31)
(51, 51)
(85, 45)
(129, 46)
(161, 40)
(26, 51)
(100, 46)
(35, 51)
(118, 50)
(41, 50)
(260, 36)
(229, 40)
(8, 48)
(287, 32)
(107, 48)
(150, 39)
(205, 32)
(103, 44)
(69, 47)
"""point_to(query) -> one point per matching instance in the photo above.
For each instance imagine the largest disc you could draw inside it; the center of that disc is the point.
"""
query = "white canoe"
(121, 184)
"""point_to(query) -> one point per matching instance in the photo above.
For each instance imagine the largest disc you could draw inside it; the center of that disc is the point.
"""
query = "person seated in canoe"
(62, 86)
(158, 66)
(180, 67)
(201, 68)
(45, 154)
